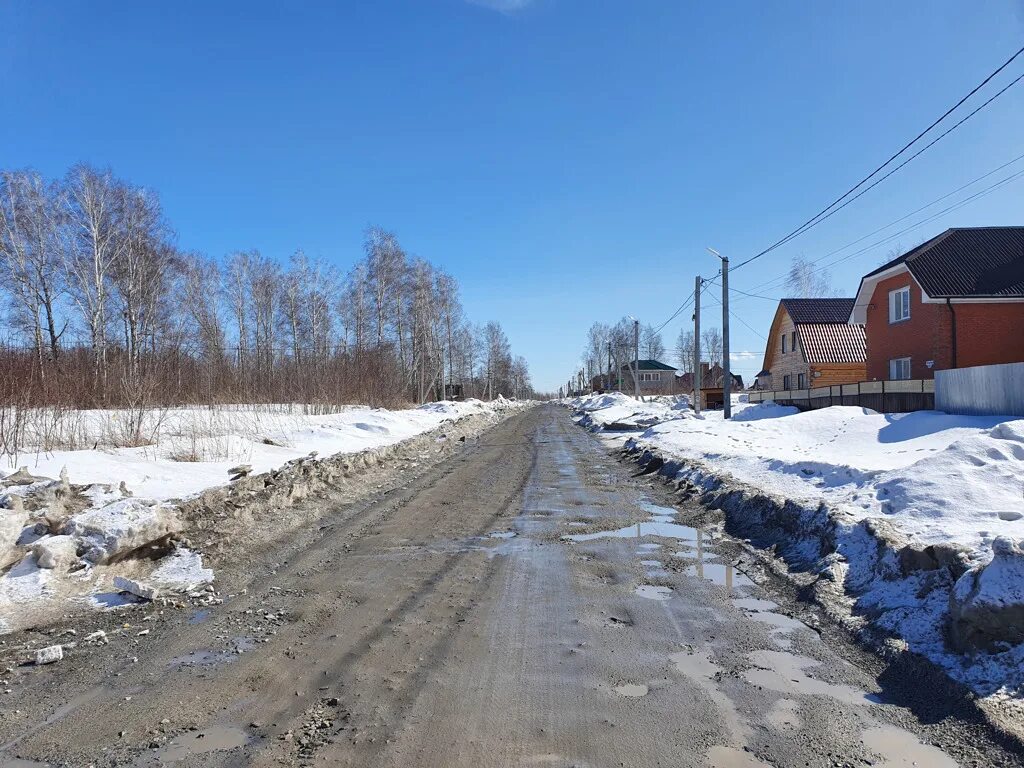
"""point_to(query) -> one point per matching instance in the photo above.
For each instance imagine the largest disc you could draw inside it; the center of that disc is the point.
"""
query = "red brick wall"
(986, 333)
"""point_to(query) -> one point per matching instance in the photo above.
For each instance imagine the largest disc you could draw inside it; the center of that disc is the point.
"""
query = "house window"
(899, 305)
(787, 380)
(656, 376)
(801, 381)
(783, 343)
(792, 343)
(899, 368)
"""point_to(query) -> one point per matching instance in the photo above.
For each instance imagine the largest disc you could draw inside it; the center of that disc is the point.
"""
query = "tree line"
(103, 309)
(611, 345)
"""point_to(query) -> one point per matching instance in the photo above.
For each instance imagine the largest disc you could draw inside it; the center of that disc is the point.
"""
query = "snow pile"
(912, 517)
(615, 411)
(114, 509)
(121, 527)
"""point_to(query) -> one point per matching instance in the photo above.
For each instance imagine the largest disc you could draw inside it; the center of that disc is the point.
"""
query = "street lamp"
(726, 375)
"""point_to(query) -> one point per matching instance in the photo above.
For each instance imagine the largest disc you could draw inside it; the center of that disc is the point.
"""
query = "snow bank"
(121, 527)
(911, 521)
(616, 411)
(70, 537)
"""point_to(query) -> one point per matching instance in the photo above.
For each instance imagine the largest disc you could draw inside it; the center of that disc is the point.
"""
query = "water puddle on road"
(639, 530)
(632, 690)
(652, 592)
(215, 738)
(902, 749)
(201, 659)
(786, 673)
(502, 535)
(718, 573)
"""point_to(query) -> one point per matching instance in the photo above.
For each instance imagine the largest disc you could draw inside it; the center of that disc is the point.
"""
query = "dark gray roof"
(818, 310)
(968, 262)
(649, 365)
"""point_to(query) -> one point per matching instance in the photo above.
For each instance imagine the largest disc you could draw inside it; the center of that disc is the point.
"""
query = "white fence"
(984, 390)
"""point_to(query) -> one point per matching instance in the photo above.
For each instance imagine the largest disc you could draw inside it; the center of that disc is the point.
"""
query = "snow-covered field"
(193, 448)
(928, 479)
(71, 520)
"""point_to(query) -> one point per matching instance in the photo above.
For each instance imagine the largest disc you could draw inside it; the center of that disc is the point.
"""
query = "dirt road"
(449, 622)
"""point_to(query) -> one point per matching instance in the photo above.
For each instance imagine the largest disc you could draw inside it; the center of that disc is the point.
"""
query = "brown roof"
(818, 310)
(833, 342)
(978, 262)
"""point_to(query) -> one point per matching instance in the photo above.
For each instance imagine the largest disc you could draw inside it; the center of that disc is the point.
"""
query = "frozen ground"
(90, 526)
(950, 487)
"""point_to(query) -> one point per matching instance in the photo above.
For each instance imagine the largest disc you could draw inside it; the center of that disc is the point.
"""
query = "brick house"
(812, 343)
(954, 301)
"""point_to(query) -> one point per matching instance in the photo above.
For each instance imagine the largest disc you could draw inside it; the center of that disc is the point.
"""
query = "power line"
(825, 212)
(775, 282)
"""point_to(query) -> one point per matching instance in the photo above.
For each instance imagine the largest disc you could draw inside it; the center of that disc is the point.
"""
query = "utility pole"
(636, 357)
(726, 375)
(608, 381)
(696, 347)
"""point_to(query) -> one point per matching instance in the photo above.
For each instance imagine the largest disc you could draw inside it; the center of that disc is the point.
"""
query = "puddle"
(213, 739)
(639, 530)
(651, 563)
(729, 757)
(649, 547)
(784, 672)
(783, 715)
(724, 575)
(631, 689)
(698, 667)
(201, 659)
(697, 664)
(17, 762)
(754, 604)
(199, 616)
(652, 592)
(656, 510)
(899, 748)
(502, 535)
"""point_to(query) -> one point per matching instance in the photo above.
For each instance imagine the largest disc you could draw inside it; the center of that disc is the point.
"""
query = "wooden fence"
(901, 396)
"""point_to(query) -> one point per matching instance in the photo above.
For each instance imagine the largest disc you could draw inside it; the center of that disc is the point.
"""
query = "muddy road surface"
(527, 602)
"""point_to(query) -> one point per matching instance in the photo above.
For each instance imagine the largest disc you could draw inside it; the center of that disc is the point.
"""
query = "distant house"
(656, 378)
(954, 301)
(812, 343)
(711, 390)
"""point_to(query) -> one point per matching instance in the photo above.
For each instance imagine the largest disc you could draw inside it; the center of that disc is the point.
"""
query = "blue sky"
(567, 160)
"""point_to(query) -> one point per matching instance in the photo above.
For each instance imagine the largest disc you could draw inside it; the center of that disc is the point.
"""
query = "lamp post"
(726, 375)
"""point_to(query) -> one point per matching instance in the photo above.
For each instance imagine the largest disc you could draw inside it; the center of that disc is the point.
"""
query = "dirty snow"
(937, 477)
(58, 554)
(926, 478)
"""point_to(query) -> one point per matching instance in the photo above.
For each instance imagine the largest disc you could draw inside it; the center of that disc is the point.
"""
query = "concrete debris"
(137, 588)
(99, 637)
(50, 654)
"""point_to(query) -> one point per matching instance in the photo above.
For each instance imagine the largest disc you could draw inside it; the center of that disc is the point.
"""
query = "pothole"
(212, 739)
(785, 673)
(651, 592)
(902, 749)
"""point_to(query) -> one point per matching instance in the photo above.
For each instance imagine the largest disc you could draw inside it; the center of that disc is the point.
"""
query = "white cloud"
(738, 357)
(502, 6)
